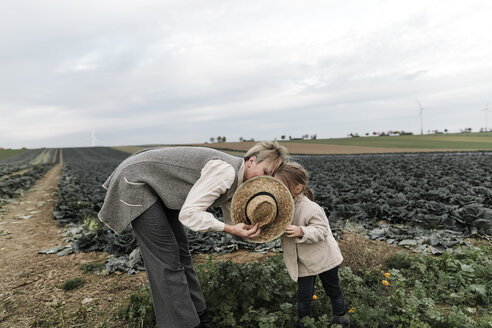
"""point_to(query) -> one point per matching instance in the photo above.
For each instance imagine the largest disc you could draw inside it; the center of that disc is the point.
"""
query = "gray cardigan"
(165, 173)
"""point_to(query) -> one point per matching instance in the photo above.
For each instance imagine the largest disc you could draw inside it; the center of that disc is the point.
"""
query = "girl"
(309, 247)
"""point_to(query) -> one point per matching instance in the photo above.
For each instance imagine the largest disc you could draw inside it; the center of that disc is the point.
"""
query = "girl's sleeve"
(316, 228)
(216, 177)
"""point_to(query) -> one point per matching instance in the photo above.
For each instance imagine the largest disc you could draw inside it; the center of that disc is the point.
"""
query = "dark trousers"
(331, 285)
(174, 285)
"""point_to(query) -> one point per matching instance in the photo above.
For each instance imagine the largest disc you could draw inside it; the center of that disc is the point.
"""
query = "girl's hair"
(271, 152)
(293, 174)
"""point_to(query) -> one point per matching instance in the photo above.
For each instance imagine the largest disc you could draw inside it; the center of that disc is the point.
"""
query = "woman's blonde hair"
(269, 151)
(293, 174)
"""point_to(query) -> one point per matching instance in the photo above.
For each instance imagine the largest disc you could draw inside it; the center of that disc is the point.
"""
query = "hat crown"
(266, 201)
(262, 209)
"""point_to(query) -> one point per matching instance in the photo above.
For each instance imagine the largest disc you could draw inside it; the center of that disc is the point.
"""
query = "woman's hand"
(293, 231)
(243, 230)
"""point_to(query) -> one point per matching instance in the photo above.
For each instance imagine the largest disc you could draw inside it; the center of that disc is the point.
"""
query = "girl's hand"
(293, 231)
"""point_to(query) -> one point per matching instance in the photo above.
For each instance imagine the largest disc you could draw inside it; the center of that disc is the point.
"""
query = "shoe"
(342, 320)
(205, 321)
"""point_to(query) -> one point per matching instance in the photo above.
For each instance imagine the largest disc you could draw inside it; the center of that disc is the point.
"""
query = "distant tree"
(224, 139)
(212, 139)
(219, 139)
(367, 133)
(241, 139)
(282, 137)
(445, 130)
(313, 137)
(290, 138)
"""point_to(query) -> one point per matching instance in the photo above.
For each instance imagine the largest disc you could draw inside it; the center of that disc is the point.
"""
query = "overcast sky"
(159, 72)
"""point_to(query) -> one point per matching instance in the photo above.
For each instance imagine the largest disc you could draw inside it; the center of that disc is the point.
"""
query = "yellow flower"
(352, 310)
(387, 274)
(386, 283)
(315, 297)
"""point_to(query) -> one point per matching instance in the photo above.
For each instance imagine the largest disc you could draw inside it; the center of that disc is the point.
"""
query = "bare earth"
(322, 149)
(29, 281)
(236, 148)
(29, 286)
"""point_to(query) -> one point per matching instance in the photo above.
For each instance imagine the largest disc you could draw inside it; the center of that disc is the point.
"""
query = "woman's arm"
(216, 178)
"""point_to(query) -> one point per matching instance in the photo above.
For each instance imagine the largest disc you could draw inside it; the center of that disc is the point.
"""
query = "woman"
(160, 190)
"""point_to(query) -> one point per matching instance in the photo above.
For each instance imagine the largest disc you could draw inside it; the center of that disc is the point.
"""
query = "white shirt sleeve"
(216, 177)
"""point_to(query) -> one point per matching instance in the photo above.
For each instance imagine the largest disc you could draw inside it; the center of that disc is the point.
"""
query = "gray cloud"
(184, 71)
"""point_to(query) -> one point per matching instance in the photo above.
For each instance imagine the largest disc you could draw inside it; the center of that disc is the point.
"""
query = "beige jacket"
(317, 251)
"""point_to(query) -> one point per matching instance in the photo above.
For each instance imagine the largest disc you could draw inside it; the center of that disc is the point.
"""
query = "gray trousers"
(174, 285)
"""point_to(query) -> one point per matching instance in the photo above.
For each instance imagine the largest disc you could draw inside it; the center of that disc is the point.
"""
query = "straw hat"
(264, 200)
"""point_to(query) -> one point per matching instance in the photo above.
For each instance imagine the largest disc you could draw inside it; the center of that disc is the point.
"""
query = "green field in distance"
(5, 153)
(463, 141)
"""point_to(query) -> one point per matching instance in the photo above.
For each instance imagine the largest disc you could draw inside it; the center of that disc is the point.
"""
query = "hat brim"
(285, 206)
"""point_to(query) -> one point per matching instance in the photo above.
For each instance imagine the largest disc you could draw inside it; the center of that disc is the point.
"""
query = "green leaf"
(480, 289)
(467, 268)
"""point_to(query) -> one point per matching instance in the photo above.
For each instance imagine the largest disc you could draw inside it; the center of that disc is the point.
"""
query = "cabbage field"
(426, 202)
(20, 172)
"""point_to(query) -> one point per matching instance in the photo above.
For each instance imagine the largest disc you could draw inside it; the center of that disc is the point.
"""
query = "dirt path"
(29, 292)
(21, 172)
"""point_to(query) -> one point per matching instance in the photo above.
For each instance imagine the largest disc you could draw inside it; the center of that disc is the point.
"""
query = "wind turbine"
(486, 110)
(421, 117)
(94, 139)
